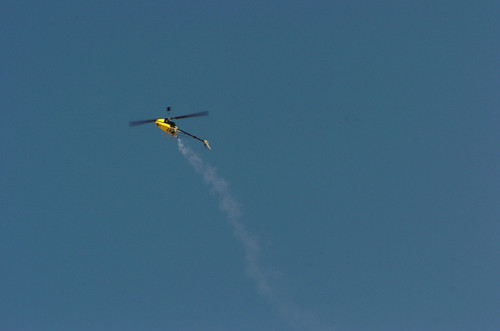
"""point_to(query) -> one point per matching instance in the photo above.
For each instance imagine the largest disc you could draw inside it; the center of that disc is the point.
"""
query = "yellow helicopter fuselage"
(167, 126)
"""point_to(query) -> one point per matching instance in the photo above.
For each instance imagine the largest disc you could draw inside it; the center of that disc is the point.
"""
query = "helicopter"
(167, 125)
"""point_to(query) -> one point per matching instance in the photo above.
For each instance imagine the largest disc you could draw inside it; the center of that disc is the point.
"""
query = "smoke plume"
(295, 317)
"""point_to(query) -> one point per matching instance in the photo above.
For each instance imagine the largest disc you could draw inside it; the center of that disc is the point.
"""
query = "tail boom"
(205, 142)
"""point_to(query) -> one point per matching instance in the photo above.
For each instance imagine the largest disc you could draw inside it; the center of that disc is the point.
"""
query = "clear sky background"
(359, 140)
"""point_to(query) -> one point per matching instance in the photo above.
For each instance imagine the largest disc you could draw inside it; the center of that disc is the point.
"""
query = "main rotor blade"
(134, 123)
(203, 113)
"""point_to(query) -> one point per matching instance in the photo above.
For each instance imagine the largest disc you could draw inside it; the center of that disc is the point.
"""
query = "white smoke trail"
(295, 317)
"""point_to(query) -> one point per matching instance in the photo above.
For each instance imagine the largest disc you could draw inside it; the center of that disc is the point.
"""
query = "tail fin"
(206, 144)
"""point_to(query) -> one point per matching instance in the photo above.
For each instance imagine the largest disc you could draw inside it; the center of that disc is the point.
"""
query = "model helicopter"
(169, 127)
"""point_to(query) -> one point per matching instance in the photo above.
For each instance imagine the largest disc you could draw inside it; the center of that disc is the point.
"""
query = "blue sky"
(358, 142)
